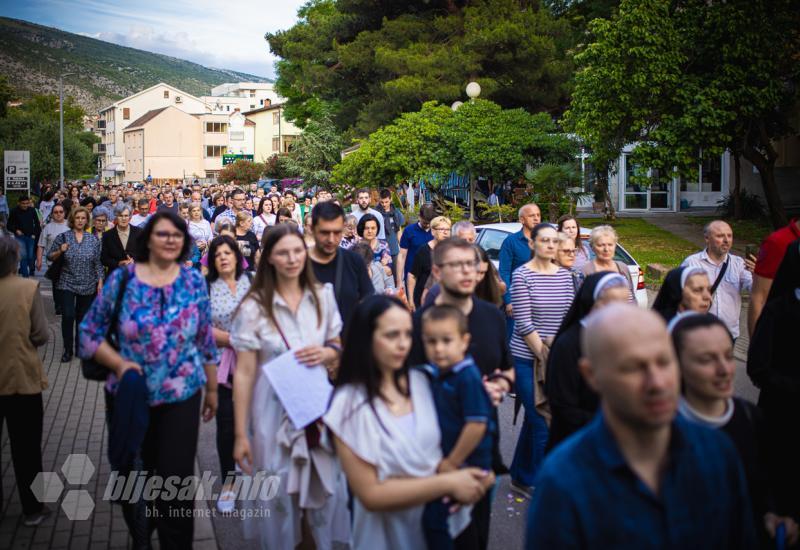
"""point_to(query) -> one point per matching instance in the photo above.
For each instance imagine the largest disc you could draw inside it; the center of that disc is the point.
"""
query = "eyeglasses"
(58, 211)
(168, 236)
(466, 265)
(568, 251)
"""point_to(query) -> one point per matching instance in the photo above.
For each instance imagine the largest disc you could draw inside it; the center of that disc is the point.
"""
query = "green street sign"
(230, 159)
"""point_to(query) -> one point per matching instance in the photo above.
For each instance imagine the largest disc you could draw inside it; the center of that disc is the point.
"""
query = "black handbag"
(54, 269)
(92, 370)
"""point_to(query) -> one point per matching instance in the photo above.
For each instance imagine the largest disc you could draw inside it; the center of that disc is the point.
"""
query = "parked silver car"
(491, 237)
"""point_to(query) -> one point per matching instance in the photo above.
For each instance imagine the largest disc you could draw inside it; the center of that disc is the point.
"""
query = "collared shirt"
(460, 398)
(727, 301)
(82, 268)
(587, 496)
(515, 251)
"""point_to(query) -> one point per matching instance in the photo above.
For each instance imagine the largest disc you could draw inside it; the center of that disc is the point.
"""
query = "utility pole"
(61, 127)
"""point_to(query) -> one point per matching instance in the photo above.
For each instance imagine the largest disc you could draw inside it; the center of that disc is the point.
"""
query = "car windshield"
(492, 239)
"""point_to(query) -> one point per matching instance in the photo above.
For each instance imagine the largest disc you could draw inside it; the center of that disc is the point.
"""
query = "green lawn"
(647, 243)
(744, 231)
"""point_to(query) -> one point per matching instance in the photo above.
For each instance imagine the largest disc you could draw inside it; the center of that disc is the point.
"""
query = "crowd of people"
(631, 434)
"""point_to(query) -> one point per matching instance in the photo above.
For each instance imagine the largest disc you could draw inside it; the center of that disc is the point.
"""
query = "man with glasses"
(455, 265)
(237, 199)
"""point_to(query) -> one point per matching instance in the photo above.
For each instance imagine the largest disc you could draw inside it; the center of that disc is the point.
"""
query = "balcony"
(99, 148)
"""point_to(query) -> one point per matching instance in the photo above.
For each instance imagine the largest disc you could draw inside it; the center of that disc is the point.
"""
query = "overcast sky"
(217, 34)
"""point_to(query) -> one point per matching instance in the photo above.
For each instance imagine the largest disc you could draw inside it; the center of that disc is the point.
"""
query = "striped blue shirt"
(540, 302)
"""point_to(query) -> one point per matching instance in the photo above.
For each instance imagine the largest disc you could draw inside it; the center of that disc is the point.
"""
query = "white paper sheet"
(303, 391)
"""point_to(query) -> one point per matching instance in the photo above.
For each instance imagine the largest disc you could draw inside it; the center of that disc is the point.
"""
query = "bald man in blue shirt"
(638, 477)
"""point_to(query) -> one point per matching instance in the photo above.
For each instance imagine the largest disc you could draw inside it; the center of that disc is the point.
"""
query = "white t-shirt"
(49, 234)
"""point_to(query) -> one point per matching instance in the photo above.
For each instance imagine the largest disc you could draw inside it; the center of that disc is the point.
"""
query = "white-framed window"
(216, 127)
(216, 150)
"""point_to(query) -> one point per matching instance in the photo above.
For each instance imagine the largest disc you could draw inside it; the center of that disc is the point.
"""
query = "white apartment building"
(223, 126)
(244, 96)
(116, 117)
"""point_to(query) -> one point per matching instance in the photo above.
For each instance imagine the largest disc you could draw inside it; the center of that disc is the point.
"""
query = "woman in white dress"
(286, 308)
(387, 437)
(265, 218)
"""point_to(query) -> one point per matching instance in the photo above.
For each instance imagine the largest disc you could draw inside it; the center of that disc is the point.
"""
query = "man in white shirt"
(361, 207)
(738, 276)
(142, 213)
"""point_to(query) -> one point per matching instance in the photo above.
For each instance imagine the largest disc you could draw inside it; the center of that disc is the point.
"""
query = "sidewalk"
(74, 422)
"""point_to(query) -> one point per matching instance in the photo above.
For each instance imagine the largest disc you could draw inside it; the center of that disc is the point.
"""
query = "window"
(491, 240)
(216, 127)
(276, 117)
(709, 177)
(252, 93)
(252, 106)
(126, 113)
(216, 150)
(261, 102)
(166, 94)
(276, 144)
(227, 108)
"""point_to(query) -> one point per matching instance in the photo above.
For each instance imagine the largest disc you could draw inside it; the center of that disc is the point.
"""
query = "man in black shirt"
(345, 270)
(455, 265)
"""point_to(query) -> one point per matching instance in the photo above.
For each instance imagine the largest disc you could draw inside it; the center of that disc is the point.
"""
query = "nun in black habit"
(773, 364)
(673, 297)
(572, 402)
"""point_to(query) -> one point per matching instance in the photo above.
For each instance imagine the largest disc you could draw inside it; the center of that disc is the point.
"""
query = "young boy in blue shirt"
(462, 406)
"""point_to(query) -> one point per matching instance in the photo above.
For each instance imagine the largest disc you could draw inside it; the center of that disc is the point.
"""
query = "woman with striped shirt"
(541, 294)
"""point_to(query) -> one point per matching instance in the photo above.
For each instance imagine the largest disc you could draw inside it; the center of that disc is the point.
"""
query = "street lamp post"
(473, 91)
(61, 126)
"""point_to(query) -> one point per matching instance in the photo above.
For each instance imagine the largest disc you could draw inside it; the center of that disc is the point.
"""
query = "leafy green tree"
(554, 188)
(315, 152)
(275, 167)
(685, 80)
(241, 171)
(370, 61)
(34, 127)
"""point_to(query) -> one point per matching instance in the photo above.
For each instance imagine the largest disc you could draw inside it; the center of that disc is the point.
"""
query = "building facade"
(164, 143)
(114, 119)
(273, 133)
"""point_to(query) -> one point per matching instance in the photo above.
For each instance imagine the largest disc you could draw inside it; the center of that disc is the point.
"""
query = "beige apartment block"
(273, 133)
(165, 143)
(118, 116)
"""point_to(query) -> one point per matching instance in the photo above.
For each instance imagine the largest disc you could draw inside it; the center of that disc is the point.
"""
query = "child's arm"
(468, 440)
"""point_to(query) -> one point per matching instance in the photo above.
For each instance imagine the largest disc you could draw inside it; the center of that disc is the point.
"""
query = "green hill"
(32, 56)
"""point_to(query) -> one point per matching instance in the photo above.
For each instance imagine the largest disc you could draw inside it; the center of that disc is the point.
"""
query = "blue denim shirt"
(588, 497)
(514, 252)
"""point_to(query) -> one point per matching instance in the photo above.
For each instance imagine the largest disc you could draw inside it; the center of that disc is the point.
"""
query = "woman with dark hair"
(572, 402)
(284, 215)
(383, 419)
(286, 308)
(81, 277)
(74, 193)
(264, 218)
(89, 203)
(569, 225)
(165, 336)
(704, 347)
(248, 243)
(227, 288)
(490, 286)
(541, 294)
(68, 206)
(367, 228)
(23, 328)
(685, 288)
(773, 367)
(217, 206)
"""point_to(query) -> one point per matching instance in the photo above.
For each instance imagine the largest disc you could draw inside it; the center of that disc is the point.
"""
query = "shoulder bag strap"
(337, 282)
(720, 276)
(111, 336)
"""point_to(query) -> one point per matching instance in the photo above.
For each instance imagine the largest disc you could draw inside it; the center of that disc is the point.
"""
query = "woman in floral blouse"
(81, 277)
(165, 334)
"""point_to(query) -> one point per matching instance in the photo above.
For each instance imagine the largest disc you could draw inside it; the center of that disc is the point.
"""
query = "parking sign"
(17, 171)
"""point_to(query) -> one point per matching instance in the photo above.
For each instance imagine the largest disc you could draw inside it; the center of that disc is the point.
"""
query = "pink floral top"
(166, 330)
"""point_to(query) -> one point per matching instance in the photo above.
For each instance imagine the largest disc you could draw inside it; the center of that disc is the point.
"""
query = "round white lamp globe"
(456, 105)
(473, 90)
